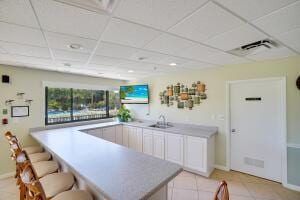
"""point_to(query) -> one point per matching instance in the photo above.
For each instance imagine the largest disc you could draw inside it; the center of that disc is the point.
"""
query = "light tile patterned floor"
(188, 186)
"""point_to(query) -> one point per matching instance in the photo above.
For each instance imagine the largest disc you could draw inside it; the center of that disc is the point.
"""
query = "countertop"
(177, 128)
(116, 171)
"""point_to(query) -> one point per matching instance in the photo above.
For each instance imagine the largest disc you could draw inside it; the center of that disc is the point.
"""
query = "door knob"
(233, 131)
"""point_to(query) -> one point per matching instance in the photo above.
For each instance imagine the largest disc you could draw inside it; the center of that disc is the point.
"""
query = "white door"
(174, 148)
(195, 153)
(256, 110)
(109, 134)
(159, 144)
(147, 142)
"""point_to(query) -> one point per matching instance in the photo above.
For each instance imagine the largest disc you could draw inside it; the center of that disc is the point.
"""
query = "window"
(69, 105)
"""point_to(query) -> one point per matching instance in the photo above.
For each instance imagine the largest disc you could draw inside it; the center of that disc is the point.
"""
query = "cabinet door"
(195, 151)
(158, 144)
(125, 135)
(174, 148)
(132, 138)
(139, 133)
(109, 134)
(119, 134)
(147, 142)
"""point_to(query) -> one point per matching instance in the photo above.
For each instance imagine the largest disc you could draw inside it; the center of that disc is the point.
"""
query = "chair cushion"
(56, 183)
(37, 157)
(73, 195)
(44, 168)
(33, 149)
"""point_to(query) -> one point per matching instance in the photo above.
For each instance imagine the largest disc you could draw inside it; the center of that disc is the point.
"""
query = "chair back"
(34, 189)
(222, 192)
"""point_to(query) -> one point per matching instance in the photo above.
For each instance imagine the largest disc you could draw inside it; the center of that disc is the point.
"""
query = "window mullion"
(72, 119)
(107, 103)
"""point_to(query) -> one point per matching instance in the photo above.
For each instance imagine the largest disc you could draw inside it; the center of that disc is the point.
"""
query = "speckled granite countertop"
(117, 172)
(177, 128)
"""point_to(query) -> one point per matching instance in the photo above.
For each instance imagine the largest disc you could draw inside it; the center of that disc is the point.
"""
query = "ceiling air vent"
(254, 48)
(93, 5)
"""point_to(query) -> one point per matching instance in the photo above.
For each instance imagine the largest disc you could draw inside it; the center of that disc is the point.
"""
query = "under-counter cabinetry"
(159, 144)
(174, 148)
(135, 138)
(195, 154)
(119, 134)
(109, 134)
(154, 143)
(147, 142)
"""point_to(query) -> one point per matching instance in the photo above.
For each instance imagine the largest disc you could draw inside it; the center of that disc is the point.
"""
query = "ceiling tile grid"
(143, 36)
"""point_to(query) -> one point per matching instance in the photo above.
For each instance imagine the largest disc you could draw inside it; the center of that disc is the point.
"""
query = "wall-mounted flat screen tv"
(134, 94)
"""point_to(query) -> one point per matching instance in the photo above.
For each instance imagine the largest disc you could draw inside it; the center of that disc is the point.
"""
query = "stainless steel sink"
(162, 126)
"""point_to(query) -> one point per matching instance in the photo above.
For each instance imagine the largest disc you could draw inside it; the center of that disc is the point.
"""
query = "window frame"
(71, 112)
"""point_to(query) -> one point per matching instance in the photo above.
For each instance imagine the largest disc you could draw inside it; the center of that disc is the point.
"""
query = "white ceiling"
(143, 36)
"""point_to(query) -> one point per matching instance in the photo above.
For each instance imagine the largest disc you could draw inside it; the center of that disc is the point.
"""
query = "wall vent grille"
(254, 162)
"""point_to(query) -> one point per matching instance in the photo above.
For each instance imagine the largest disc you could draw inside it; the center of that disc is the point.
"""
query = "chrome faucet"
(163, 118)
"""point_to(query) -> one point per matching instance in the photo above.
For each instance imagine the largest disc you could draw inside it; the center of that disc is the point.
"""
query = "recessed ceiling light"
(173, 64)
(75, 46)
(119, 75)
(130, 71)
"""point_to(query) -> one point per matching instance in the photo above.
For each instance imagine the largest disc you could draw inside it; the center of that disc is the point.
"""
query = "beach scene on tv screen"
(134, 94)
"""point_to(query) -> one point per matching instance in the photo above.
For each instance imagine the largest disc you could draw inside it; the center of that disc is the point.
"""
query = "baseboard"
(292, 187)
(221, 167)
(7, 175)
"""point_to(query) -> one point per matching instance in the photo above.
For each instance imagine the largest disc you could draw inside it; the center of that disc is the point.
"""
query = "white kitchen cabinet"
(159, 144)
(109, 134)
(125, 135)
(147, 141)
(195, 153)
(135, 138)
(119, 134)
(174, 148)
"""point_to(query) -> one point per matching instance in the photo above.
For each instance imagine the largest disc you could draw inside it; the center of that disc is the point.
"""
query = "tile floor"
(188, 186)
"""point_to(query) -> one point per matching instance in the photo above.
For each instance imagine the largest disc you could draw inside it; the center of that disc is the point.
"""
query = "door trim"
(283, 134)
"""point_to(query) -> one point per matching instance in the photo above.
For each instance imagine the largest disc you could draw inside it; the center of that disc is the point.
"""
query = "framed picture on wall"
(19, 111)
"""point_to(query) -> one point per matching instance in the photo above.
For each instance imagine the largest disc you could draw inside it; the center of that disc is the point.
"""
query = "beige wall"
(30, 82)
(215, 79)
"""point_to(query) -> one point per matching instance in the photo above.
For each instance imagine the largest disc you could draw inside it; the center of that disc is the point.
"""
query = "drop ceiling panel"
(103, 60)
(114, 50)
(253, 9)
(62, 18)
(235, 38)
(148, 56)
(102, 68)
(157, 13)
(172, 59)
(127, 33)
(281, 21)
(197, 65)
(277, 53)
(21, 34)
(291, 38)
(208, 21)
(69, 55)
(24, 60)
(168, 44)
(61, 41)
(224, 59)
(18, 12)
(197, 52)
(25, 50)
